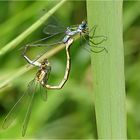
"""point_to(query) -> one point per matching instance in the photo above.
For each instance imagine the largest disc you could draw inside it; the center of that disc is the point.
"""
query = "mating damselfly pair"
(42, 75)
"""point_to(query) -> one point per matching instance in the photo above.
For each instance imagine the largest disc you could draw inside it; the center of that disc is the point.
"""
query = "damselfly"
(28, 96)
(42, 73)
(40, 81)
(82, 30)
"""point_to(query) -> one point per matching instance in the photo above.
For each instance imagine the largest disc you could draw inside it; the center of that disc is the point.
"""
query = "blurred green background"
(69, 112)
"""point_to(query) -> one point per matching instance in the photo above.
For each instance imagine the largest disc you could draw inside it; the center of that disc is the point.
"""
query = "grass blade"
(108, 69)
(32, 28)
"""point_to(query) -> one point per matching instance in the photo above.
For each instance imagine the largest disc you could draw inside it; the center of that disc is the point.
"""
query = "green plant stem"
(108, 69)
(19, 18)
(32, 28)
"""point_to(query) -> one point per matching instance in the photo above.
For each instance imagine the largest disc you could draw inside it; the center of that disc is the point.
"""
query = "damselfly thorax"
(42, 74)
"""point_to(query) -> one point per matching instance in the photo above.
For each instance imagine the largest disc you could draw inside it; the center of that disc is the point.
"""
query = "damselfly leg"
(93, 36)
(91, 45)
(84, 34)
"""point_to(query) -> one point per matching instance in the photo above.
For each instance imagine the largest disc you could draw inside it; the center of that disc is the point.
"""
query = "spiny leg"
(81, 43)
(92, 29)
(104, 39)
(102, 48)
(86, 42)
(61, 84)
(93, 35)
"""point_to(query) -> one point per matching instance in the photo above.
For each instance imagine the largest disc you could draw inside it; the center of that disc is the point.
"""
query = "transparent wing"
(12, 113)
(43, 92)
(53, 29)
(31, 87)
(16, 108)
(47, 47)
(38, 42)
(74, 27)
(54, 26)
(30, 103)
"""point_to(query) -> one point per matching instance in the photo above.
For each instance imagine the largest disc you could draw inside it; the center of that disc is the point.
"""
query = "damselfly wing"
(27, 99)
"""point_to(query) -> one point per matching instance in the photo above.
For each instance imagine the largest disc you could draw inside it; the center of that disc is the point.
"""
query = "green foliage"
(63, 113)
(108, 70)
(69, 112)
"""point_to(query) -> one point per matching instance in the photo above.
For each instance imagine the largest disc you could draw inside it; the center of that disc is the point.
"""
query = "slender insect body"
(42, 74)
(80, 29)
(69, 32)
(65, 39)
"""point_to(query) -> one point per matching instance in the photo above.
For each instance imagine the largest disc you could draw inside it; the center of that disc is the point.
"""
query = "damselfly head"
(45, 62)
(84, 24)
